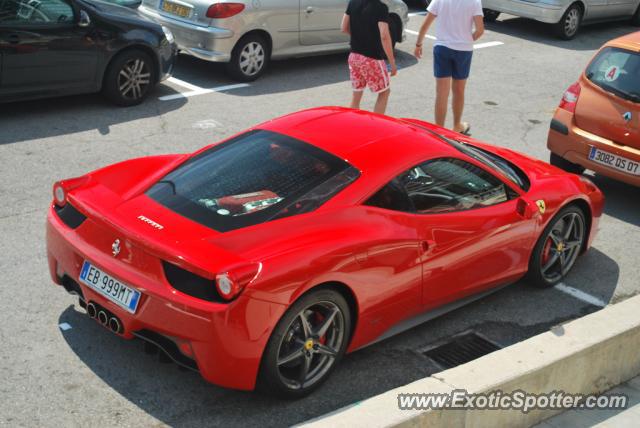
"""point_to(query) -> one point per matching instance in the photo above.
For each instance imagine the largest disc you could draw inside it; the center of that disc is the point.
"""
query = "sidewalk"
(602, 418)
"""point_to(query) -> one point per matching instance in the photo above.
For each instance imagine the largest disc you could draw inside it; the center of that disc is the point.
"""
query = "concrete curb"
(589, 355)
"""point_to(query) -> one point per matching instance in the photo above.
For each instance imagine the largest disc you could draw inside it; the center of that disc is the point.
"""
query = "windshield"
(617, 70)
(252, 178)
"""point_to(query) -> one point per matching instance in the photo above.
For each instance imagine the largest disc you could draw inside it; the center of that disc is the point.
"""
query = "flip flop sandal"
(466, 130)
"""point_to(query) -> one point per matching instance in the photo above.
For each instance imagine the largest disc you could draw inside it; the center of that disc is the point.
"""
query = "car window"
(35, 12)
(253, 178)
(440, 186)
(617, 70)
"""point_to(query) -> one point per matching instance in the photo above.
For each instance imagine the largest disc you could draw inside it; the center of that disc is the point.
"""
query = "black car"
(63, 47)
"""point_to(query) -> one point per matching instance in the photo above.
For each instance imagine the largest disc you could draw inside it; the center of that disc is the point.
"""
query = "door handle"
(427, 245)
(13, 38)
(309, 9)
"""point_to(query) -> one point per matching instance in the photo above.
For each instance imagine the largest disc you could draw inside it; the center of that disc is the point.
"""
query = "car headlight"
(168, 34)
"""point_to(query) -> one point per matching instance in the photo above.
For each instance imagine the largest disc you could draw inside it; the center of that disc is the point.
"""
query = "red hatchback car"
(263, 259)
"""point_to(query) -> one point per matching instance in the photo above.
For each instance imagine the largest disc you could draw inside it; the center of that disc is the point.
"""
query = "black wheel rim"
(310, 345)
(562, 247)
(134, 79)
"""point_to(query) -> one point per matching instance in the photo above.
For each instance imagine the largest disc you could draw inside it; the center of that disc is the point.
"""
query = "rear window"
(252, 178)
(617, 70)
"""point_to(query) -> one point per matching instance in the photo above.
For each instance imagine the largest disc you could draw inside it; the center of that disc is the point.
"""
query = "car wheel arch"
(588, 216)
(342, 288)
(581, 4)
(134, 46)
(262, 32)
(581, 204)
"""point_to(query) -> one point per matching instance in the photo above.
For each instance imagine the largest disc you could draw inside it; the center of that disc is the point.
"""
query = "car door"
(320, 22)
(468, 222)
(620, 8)
(44, 49)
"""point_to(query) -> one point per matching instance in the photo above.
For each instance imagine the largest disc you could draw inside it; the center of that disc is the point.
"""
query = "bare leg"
(381, 102)
(457, 104)
(443, 87)
(355, 100)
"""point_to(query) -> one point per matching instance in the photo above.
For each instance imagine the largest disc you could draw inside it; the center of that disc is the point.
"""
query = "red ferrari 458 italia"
(261, 260)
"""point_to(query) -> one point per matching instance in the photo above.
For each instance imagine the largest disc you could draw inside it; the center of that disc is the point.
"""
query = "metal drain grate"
(460, 349)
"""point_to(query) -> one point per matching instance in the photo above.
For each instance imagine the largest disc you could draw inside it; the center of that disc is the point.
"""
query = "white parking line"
(581, 295)
(184, 84)
(487, 45)
(415, 33)
(202, 91)
(476, 46)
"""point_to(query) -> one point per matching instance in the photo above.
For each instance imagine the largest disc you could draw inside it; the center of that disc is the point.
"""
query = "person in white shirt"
(459, 24)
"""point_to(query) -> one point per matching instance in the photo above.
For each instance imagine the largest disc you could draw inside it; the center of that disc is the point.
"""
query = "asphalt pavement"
(59, 368)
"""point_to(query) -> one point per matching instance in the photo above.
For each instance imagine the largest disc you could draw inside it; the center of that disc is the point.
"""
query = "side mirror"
(84, 20)
(526, 208)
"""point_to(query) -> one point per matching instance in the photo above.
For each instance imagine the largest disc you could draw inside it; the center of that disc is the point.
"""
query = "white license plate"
(614, 161)
(108, 286)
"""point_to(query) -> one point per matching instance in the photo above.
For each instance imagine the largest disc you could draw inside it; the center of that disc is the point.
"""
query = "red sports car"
(263, 259)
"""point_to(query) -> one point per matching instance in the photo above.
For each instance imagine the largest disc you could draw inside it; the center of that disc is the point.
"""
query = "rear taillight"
(231, 283)
(63, 187)
(224, 10)
(570, 98)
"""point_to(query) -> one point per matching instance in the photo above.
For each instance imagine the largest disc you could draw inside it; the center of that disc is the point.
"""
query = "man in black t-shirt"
(367, 21)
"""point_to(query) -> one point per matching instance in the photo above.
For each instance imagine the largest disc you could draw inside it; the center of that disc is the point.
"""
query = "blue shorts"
(451, 63)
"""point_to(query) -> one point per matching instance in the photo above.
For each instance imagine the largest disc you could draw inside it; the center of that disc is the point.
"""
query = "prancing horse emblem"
(627, 116)
(115, 248)
(542, 207)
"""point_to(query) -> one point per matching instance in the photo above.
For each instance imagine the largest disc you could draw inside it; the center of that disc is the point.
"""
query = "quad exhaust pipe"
(92, 311)
(114, 325)
(105, 318)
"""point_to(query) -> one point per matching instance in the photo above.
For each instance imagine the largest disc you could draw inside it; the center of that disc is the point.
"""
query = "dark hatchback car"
(64, 47)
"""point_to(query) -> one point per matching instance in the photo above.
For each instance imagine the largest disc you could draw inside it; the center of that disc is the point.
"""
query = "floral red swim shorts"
(369, 72)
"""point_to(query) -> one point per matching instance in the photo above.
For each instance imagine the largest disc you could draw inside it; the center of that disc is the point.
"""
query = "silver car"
(247, 34)
(566, 15)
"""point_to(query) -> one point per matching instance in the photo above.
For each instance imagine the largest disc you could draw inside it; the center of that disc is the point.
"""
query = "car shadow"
(590, 37)
(183, 398)
(52, 117)
(292, 74)
(622, 201)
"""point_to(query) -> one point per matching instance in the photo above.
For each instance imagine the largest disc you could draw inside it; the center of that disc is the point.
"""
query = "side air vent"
(191, 284)
(70, 215)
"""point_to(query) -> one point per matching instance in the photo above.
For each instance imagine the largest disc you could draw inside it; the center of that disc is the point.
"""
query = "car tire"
(635, 20)
(129, 78)
(570, 22)
(490, 15)
(565, 165)
(278, 374)
(254, 49)
(556, 241)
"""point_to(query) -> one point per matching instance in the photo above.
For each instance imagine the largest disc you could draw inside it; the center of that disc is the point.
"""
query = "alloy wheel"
(562, 246)
(134, 79)
(252, 58)
(571, 22)
(310, 345)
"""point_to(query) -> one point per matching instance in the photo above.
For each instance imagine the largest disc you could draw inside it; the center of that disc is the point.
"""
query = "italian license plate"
(176, 9)
(614, 161)
(114, 290)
